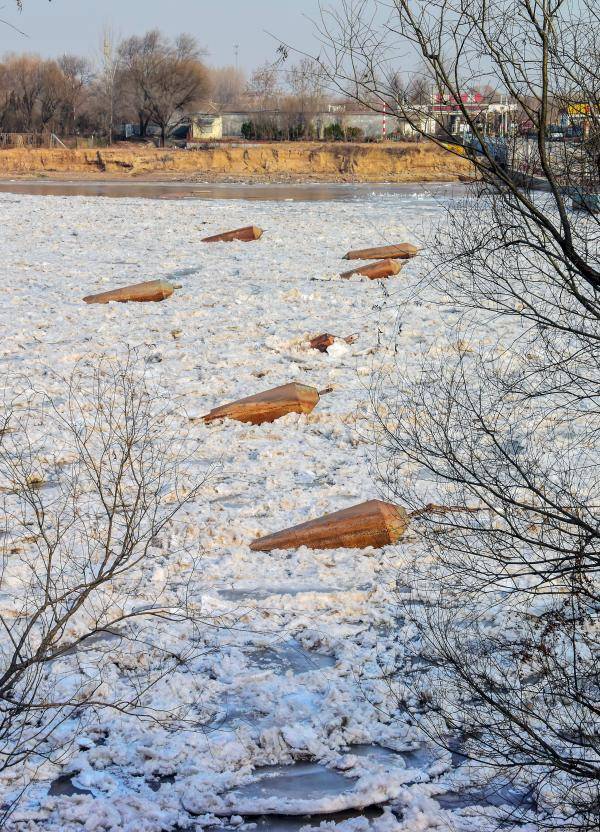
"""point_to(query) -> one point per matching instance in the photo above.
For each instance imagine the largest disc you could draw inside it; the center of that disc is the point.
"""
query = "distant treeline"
(151, 81)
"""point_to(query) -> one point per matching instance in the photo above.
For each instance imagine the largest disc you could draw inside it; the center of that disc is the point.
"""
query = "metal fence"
(24, 140)
(11, 140)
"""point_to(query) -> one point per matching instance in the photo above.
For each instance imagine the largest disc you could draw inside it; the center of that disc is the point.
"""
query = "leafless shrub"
(90, 551)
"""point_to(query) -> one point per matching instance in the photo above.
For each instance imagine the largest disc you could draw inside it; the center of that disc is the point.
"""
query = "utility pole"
(236, 51)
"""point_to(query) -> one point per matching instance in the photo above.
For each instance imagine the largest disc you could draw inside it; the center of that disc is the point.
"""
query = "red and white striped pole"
(384, 125)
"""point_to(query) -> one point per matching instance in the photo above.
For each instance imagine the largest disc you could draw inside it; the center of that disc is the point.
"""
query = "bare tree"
(90, 487)
(77, 75)
(168, 78)
(265, 96)
(7, 100)
(306, 80)
(26, 82)
(510, 594)
(227, 85)
(40, 94)
(52, 93)
(264, 86)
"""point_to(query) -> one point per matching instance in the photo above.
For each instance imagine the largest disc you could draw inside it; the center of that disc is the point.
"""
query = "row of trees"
(37, 94)
(148, 79)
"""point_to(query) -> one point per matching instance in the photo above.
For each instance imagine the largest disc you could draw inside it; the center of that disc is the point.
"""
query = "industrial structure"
(341, 121)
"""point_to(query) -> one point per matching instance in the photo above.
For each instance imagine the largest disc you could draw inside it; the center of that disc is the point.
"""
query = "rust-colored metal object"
(324, 341)
(402, 251)
(151, 290)
(246, 235)
(375, 271)
(373, 523)
(269, 405)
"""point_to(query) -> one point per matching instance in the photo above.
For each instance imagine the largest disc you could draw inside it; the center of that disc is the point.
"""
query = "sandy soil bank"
(280, 162)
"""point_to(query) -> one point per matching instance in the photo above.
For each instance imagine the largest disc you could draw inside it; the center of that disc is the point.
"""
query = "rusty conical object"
(269, 405)
(322, 342)
(374, 271)
(373, 523)
(401, 251)
(250, 232)
(151, 290)
(326, 339)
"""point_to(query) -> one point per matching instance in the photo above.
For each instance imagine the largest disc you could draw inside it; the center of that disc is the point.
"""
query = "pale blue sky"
(76, 25)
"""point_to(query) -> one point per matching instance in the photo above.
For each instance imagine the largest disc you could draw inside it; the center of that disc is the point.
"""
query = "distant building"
(204, 127)
(340, 121)
(369, 125)
(494, 113)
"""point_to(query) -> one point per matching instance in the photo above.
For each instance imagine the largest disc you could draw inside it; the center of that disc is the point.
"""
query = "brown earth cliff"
(277, 162)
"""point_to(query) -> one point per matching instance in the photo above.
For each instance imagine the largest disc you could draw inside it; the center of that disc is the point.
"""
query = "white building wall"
(371, 124)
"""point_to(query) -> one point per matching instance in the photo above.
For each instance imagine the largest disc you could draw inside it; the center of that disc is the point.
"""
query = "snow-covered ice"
(300, 681)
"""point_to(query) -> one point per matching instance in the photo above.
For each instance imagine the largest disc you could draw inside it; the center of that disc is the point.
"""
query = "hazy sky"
(76, 25)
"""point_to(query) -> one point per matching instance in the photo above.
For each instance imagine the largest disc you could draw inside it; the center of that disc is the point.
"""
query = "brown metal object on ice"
(402, 251)
(324, 341)
(374, 271)
(269, 405)
(250, 232)
(373, 523)
(151, 290)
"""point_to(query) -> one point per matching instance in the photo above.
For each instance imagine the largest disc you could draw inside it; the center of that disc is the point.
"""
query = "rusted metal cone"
(250, 232)
(324, 341)
(373, 523)
(269, 405)
(402, 251)
(374, 271)
(151, 290)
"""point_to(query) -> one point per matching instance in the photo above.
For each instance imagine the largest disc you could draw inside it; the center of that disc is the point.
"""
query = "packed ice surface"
(300, 680)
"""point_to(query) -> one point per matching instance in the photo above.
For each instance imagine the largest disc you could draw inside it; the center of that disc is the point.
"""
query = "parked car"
(555, 133)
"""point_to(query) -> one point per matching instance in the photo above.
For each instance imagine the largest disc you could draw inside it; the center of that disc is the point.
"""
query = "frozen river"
(308, 192)
(296, 720)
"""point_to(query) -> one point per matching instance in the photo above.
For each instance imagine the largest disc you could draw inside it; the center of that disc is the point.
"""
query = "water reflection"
(296, 192)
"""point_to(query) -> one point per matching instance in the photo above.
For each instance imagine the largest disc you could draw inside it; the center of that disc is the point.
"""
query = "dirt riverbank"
(277, 162)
